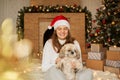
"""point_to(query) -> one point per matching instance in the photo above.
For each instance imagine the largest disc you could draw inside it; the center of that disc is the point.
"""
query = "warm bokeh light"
(7, 26)
(23, 48)
(14, 54)
(10, 75)
(8, 38)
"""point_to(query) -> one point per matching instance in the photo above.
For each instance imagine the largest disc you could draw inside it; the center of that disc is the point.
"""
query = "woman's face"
(62, 32)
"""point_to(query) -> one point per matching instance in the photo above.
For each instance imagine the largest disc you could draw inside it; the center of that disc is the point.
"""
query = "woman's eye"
(65, 28)
(58, 29)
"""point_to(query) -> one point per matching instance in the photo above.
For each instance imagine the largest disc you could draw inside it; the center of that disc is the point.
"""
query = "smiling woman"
(52, 47)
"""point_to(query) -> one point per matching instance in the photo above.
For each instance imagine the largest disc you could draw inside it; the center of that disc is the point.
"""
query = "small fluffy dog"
(69, 54)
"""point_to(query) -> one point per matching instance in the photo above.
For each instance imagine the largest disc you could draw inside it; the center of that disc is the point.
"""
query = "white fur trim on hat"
(60, 23)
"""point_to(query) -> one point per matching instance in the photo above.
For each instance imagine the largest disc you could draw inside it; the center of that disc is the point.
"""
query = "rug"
(33, 72)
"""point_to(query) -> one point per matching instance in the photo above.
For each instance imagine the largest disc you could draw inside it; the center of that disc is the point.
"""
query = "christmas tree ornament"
(96, 34)
(113, 23)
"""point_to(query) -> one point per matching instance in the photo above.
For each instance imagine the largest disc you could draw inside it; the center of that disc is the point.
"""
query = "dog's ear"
(78, 54)
(62, 52)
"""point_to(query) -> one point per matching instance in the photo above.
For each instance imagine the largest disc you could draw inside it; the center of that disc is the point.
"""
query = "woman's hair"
(56, 43)
(47, 35)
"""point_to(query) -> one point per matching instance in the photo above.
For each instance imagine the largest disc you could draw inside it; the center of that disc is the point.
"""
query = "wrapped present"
(96, 47)
(113, 55)
(113, 63)
(96, 55)
(112, 69)
(95, 64)
(114, 48)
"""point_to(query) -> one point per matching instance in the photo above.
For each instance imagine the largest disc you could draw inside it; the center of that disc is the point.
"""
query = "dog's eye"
(69, 50)
(75, 50)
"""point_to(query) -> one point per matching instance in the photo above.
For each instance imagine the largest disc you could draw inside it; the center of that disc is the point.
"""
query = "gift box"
(112, 69)
(96, 47)
(113, 63)
(96, 55)
(95, 64)
(113, 55)
(114, 48)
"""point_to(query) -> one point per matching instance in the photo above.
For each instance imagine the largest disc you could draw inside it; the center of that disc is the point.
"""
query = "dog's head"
(69, 50)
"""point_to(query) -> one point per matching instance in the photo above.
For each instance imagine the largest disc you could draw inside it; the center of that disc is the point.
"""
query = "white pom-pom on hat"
(59, 21)
(49, 27)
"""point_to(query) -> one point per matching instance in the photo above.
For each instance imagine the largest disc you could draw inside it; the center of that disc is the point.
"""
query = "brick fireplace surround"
(35, 25)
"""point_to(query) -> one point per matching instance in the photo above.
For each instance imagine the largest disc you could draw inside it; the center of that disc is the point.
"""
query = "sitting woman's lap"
(85, 74)
(55, 74)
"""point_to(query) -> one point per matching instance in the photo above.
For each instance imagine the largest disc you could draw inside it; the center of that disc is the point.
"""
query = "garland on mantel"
(51, 9)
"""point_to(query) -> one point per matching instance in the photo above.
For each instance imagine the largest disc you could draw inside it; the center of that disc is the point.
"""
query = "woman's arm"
(46, 59)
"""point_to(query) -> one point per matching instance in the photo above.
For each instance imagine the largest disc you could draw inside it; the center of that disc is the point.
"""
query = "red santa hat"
(58, 21)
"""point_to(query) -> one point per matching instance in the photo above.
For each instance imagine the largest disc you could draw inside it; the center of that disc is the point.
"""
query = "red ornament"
(94, 21)
(75, 5)
(97, 9)
(97, 30)
(91, 35)
(88, 45)
(109, 39)
(104, 21)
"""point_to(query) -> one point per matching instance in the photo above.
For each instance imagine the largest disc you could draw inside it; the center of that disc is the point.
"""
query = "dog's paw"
(76, 70)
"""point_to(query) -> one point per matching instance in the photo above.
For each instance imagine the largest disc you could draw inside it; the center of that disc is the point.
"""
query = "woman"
(61, 36)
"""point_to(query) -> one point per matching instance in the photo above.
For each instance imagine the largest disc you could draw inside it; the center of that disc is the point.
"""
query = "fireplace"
(35, 25)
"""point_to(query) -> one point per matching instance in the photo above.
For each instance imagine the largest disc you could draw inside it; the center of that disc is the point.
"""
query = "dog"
(69, 54)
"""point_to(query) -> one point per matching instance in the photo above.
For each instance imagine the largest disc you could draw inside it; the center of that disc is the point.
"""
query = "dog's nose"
(72, 52)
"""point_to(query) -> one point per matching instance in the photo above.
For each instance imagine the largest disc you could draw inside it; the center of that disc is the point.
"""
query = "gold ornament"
(115, 13)
(94, 41)
(108, 13)
(96, 34)
(113, 23)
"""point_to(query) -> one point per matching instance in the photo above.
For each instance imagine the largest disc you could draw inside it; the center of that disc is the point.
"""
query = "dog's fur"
(68, 54)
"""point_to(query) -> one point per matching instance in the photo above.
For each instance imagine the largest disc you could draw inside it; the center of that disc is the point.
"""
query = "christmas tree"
(107, 28)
